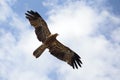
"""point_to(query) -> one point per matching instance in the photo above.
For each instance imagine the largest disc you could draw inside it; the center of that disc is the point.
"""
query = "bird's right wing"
(41, 28)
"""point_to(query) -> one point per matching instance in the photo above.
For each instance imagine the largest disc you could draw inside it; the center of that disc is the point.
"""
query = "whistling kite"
(49, 41)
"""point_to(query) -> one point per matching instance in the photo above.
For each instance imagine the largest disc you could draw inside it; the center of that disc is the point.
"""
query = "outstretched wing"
(64, 53)
(41, 30)
(39, 24)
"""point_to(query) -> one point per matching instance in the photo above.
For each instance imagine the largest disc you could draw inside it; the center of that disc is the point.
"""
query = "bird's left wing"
(64, 53)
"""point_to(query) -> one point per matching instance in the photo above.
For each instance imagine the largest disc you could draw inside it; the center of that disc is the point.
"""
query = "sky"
(90, 28)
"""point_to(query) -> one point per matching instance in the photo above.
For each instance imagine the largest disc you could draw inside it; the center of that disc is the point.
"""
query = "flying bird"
(49, 41)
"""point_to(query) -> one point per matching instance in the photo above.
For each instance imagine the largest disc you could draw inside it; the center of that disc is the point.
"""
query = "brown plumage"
(49, 41)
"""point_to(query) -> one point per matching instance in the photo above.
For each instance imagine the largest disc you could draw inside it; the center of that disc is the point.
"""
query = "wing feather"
(64, 53)
(41, 28)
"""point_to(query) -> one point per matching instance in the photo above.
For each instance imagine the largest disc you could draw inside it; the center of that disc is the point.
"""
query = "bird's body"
(49, 41)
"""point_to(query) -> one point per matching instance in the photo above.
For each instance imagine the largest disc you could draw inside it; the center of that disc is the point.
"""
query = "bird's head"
(56, 34)
(51, 38)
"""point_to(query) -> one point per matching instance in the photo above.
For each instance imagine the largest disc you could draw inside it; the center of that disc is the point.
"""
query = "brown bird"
(49, 41)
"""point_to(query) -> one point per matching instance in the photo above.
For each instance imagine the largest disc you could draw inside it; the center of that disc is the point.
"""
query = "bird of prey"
(49, 41)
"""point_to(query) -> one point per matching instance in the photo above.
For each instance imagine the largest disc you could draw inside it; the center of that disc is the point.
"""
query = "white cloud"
(5, 10)
(50, 3)
(16, 60)
(78, 25)
(115, 35)
(80, 20)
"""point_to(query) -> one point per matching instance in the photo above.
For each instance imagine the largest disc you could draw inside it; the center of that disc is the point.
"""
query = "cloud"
(16, 60)
(115, 35)
(82, 16)
(80, 26)
(4, 7)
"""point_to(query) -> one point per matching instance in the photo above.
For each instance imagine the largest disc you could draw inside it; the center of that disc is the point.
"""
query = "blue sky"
(90, 28)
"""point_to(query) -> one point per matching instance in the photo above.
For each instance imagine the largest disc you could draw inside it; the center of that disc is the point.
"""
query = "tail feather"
(37, 53)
